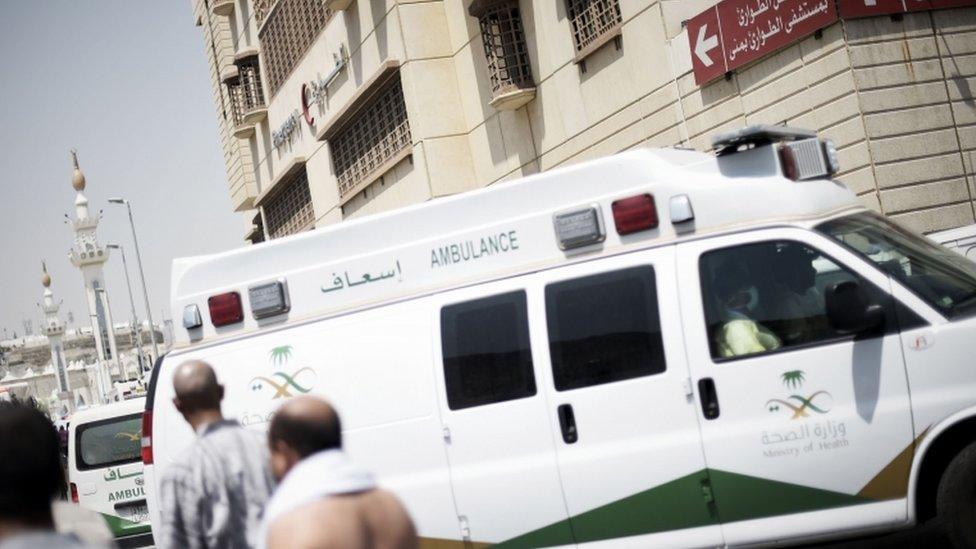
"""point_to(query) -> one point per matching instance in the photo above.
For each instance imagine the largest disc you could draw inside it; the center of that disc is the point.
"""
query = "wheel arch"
(940, 443)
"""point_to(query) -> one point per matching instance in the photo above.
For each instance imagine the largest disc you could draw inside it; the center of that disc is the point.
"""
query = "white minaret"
(89, 256)
(54, 330)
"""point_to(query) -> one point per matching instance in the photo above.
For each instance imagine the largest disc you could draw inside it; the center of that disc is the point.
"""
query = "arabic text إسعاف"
(116, 474)
(342, 282)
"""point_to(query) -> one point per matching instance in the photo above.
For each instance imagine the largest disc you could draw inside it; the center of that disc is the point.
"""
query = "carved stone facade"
(592, 78)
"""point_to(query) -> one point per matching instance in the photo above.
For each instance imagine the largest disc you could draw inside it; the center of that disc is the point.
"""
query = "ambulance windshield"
(109, 442)
(943, 278)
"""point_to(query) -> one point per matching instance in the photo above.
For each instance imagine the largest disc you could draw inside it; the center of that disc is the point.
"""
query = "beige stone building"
(334, 109)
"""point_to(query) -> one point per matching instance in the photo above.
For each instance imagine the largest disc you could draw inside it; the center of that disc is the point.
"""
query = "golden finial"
(77, 178)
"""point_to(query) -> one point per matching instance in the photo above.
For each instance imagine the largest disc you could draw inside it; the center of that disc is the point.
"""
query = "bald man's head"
(196, 388)
(305, 425)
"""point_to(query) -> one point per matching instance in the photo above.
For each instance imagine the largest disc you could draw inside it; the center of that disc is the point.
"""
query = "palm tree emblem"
(280, 355)
(793, 379)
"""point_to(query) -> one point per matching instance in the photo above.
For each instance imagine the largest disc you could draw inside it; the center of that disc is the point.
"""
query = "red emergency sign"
(850, 9)
(737, 32)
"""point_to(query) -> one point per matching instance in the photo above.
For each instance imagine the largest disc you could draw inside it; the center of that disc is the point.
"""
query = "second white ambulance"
(105, 470)
(658, 348)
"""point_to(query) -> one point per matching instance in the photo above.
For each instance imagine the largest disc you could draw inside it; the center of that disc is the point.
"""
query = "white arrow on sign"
(705, 45)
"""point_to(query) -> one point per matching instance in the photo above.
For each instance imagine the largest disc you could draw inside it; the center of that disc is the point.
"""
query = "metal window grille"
(250, 77)
(290, 211)
(261, 9)
(286, 35)
(236, 93)
(379, 131)
(505, 49)
(591, 19)
(245, 91)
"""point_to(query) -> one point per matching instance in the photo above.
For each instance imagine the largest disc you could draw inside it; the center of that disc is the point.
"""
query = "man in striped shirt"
(214, 494)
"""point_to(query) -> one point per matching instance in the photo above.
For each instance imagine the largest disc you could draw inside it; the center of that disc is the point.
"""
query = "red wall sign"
(940, 4)
(737, 32)
(850, 9)
(707, 51)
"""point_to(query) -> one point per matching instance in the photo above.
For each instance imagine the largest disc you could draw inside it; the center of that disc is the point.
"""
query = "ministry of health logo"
(282, 383)
(799, 405)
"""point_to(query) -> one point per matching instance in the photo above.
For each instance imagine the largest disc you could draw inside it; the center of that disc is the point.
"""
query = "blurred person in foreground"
(324, 500)
(31, 477)
(214, 494)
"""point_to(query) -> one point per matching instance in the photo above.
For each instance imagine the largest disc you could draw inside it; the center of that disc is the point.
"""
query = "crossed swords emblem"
(282, 387)
(801, 405)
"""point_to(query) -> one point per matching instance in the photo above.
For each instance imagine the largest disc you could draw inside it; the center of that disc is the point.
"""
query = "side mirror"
(849, 310)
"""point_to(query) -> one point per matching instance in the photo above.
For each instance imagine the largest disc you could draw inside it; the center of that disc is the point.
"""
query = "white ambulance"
(658, 348)
(961, 240)
(105, 470)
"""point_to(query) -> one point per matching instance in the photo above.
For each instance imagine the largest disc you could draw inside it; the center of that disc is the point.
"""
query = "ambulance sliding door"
(628, 440)
(496, 427)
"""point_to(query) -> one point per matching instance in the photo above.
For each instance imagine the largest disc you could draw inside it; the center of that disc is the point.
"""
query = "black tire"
(956, 500)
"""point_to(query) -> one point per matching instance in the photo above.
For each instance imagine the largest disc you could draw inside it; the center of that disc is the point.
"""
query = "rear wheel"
(956, 500)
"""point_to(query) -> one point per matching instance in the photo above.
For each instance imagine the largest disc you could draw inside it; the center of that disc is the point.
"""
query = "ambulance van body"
(961, 240)
(657, 348)
(105, 469)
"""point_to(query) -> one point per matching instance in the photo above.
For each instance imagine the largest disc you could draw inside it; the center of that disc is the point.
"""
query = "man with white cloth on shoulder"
(323, 499)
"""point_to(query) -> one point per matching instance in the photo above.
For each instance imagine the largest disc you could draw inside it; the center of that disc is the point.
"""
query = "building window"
(290, 28)
(290, 211)
(257, 232)
(245, 91)
(504, 42)
(261, 9)
(593, 23)
(377, 135)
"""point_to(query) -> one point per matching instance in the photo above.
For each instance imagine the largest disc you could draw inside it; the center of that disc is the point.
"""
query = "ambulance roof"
(105, 411)
(497, 231)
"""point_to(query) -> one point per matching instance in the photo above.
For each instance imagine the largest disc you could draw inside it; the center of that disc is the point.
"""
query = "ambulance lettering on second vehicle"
(125, 495)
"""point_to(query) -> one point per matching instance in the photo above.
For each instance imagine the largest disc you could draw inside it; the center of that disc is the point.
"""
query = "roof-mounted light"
(579, 227)
(830, 152)
(191, 317)
(269, 298)
(634, 214)
(808, 159)
(681, 210)
(225, 309)
(755, 136)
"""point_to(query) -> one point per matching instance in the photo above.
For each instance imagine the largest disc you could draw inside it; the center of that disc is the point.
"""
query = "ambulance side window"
(487, 358)
(769, 296)
(604, 328)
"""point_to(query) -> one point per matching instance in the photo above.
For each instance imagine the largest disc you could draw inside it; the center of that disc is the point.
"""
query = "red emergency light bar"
(225, 309)
(634, 214)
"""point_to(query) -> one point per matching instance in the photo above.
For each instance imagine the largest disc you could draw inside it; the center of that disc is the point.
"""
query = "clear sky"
(127, 83)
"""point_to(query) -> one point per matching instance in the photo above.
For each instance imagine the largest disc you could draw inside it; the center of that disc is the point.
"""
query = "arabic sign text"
(737, 32)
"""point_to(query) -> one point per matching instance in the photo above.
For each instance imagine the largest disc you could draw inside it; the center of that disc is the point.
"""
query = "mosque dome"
(45, 278)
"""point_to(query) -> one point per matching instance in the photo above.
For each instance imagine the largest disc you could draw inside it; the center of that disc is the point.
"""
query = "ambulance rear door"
(106, 472)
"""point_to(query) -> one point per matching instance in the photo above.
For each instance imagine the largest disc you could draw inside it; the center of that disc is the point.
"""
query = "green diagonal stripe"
(680, 504)
(122, 527)
(744, 497)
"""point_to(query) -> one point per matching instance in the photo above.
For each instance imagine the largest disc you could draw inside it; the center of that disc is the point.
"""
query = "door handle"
(567, 423)
(708, 397)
